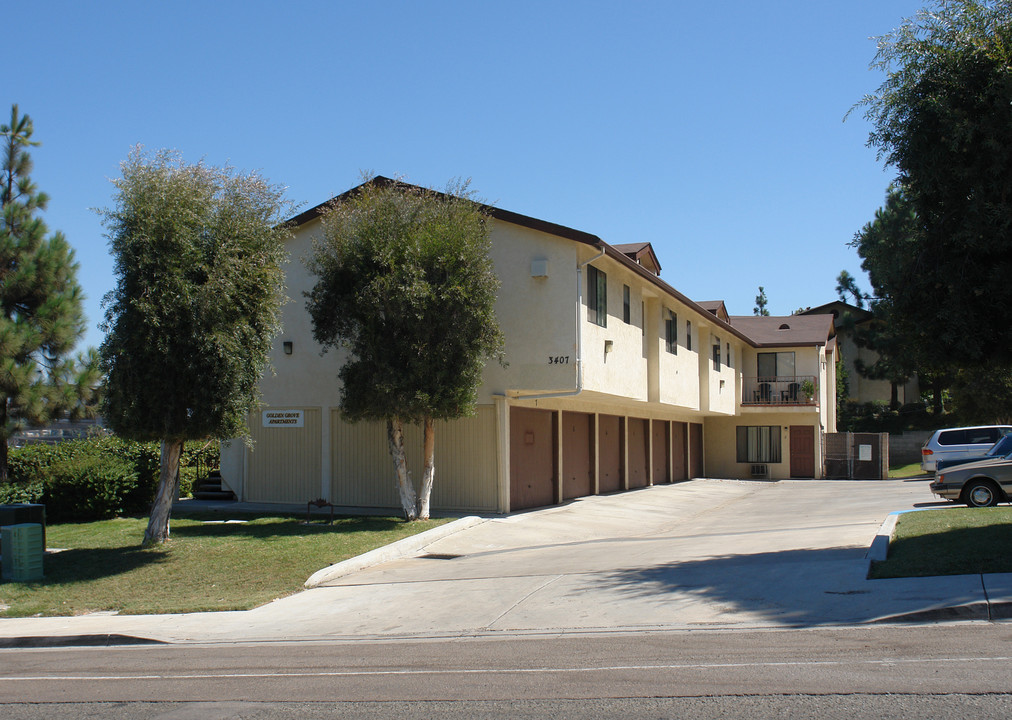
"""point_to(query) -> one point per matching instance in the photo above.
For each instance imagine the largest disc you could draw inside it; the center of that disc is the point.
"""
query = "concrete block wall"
(905, 448)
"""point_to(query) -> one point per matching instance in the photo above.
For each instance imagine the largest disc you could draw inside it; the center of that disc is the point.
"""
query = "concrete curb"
(880, 545)
(94, 640)
(879, 549)
(394, 551)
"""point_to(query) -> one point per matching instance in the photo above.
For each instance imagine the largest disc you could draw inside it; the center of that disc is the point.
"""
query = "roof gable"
(782, 331)
(642, 254)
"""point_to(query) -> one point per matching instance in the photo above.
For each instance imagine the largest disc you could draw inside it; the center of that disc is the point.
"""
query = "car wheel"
(980, 493)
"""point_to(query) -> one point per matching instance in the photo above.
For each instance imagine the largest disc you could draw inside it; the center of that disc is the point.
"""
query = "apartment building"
(615, 380)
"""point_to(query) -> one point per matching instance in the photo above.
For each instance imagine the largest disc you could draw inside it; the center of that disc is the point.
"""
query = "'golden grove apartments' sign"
(284, 418)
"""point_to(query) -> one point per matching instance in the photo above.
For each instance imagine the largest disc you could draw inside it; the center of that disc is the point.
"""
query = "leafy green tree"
(760, 303)
(405, 283)
(41, 317)
(942, 119)
(198, 258)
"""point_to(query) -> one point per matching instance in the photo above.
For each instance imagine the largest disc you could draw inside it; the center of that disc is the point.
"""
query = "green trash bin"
(21, 551)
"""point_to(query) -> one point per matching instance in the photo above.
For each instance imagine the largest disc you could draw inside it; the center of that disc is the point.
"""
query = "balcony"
(790, 391)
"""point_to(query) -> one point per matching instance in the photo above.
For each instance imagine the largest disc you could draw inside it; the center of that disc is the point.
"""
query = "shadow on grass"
(949, 551)
(96, 563)
(213, 527)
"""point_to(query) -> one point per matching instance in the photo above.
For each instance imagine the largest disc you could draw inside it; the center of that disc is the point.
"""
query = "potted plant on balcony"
(808, 389)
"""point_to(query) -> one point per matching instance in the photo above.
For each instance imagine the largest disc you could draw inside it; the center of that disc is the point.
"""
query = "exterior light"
(608, 345)
(287, 345)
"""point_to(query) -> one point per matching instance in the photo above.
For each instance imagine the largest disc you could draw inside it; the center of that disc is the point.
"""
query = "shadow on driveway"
(796, 588)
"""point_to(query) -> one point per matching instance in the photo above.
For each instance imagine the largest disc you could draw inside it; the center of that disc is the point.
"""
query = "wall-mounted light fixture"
(608, 345)
(287, 345)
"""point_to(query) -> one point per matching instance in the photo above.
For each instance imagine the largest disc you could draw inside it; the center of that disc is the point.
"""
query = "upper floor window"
(626, 305)
(716, 355)
(688, 335)
(775, 364)
(597, 296)
(670, 332)
(728, 355)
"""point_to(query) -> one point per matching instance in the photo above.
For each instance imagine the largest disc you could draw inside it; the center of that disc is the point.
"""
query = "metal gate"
(856, 456)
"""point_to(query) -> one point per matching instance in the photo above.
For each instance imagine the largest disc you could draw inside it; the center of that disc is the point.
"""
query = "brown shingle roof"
(781, 331)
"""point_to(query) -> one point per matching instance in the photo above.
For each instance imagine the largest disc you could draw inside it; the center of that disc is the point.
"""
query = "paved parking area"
(700, 554)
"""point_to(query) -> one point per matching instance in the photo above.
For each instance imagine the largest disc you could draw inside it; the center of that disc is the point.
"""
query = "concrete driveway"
(700, 554)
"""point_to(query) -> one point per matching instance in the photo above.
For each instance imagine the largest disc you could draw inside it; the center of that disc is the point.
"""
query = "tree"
(41, 317)
(405, 283)
(760, 303)
(942, 119)
(904, 347)
(847, 285)
(199, 286)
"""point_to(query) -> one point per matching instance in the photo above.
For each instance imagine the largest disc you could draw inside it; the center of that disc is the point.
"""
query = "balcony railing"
(780, 390)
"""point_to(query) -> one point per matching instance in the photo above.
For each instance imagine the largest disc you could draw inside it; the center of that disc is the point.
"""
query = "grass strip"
(949, 541)
(207, 564)
(907, 471)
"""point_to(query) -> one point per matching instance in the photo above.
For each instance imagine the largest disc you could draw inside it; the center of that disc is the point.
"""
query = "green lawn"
(949, 541)
(907, 471)
(207, 565)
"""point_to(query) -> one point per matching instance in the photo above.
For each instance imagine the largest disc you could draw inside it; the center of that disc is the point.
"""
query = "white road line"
(511, 671)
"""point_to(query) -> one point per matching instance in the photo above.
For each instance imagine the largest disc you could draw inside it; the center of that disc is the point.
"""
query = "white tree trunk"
(429, 436)
(161, 509)
(395, 438)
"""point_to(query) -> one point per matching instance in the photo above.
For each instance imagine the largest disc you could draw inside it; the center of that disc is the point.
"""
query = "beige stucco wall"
(679, 371)
(540, 315)
(721, 444)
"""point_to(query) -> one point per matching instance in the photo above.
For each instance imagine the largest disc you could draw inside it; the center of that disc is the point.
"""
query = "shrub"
(15, 493)
(89, 487)
(97, 477)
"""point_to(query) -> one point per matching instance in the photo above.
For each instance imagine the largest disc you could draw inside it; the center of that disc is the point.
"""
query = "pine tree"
(41, 316)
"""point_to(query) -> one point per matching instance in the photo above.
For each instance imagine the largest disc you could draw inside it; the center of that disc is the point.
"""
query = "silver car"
(984, 483)
(961, 442)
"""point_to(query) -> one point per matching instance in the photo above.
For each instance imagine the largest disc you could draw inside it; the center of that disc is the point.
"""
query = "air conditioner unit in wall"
(761, 471)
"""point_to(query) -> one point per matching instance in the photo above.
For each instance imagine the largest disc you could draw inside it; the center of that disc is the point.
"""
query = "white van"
(956, 443)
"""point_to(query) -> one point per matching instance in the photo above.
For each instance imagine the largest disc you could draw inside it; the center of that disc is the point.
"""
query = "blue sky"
(713, 130)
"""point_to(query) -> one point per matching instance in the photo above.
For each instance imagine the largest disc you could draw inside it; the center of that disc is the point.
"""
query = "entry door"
(802, 451)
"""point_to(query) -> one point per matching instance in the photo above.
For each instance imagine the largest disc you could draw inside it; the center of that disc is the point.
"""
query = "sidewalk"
(701, 554)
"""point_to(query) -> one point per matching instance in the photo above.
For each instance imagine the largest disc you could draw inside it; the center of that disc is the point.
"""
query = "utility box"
(18, 513)
(21, 551)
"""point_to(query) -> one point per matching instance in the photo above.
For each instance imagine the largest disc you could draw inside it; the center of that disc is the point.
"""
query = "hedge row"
(93, 479)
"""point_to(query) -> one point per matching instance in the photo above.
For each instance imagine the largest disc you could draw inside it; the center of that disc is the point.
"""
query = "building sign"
(284, 418)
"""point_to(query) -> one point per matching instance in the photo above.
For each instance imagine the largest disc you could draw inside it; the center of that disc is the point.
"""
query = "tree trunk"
(395, 438)
(3, 442)
(161, 510)
(429, 442)
(894, 396)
